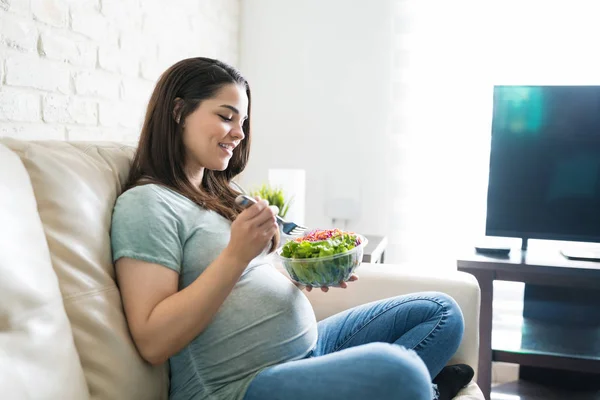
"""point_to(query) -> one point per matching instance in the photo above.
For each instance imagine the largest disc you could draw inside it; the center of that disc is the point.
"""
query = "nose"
(237, 133)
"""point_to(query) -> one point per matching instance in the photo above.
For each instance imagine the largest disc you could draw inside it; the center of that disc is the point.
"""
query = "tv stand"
(560, 324)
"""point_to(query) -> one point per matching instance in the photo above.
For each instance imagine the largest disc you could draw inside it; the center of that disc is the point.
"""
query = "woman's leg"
(431, 323)
(373, 371)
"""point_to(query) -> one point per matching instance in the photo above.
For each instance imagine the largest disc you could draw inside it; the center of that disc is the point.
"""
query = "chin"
(220, 166)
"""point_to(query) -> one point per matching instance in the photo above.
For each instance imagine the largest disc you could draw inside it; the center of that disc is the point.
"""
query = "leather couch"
(63, 334)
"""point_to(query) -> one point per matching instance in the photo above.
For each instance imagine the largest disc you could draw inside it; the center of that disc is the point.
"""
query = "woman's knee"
(452, 314)
(397, 371)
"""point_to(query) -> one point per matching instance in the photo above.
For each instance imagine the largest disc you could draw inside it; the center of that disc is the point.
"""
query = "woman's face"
(214, 130)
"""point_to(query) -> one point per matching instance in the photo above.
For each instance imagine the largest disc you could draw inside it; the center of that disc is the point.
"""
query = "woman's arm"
(163, 320)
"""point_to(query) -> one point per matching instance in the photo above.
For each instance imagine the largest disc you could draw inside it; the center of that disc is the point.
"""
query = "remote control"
(497, 251)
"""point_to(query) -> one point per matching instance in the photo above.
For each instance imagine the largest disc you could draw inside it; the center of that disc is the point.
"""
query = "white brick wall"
(84, 69)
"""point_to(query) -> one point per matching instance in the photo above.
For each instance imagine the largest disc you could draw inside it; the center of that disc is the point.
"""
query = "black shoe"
(452, 379)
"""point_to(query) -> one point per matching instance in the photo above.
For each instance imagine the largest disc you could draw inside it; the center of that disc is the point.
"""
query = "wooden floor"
(528, 391)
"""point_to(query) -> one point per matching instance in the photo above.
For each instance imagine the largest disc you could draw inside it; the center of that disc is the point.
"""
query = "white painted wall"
(84, 69)
(320, 78)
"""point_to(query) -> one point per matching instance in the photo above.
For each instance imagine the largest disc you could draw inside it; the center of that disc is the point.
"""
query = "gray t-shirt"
(266, 319)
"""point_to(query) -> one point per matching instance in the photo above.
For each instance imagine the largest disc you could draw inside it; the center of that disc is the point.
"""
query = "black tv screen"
(544, 178)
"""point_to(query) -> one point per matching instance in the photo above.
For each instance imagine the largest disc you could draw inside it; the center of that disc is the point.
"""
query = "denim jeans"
(388, 349)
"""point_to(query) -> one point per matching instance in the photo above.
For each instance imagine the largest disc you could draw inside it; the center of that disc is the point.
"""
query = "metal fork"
(289, 228)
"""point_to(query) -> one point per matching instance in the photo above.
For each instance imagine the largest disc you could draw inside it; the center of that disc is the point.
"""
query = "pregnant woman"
(199, 292)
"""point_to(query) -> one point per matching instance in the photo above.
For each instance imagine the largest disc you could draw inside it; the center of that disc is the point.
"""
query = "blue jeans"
(388, 349)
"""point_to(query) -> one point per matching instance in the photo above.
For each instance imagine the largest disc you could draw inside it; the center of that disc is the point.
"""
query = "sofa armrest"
(379, 281)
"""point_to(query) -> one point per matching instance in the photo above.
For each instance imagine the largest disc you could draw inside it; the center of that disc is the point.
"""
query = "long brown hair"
(160, 155)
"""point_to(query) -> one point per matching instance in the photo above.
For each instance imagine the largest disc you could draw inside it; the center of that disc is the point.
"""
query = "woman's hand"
(252, 231)
(325, 289)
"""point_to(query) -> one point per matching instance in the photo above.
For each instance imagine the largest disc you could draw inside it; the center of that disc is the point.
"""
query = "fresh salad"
(322, 257)
(320, 243)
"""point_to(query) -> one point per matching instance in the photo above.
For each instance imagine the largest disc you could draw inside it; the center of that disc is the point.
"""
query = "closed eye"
(225, 118)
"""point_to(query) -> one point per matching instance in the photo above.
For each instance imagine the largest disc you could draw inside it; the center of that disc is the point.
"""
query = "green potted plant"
(275, 197)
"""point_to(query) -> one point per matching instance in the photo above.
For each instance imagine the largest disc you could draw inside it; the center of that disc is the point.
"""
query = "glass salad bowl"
(322, 257)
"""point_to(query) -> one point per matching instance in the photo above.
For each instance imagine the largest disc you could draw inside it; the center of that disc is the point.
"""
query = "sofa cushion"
(37, 352)
(470, 392)
(76, 185)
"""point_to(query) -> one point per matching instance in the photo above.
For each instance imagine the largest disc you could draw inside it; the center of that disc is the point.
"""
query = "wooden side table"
(375, 250)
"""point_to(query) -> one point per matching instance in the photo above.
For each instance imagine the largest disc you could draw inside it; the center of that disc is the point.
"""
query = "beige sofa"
(63, 334)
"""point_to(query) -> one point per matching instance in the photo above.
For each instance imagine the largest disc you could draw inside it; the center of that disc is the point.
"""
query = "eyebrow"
(232, 108)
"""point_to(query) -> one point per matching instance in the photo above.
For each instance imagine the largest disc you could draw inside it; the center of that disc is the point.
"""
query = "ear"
(177, 108)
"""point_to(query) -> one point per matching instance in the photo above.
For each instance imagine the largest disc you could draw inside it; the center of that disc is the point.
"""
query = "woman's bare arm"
(162, 320)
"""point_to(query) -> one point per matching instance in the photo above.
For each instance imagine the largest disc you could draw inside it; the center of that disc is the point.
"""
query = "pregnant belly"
(266, 320)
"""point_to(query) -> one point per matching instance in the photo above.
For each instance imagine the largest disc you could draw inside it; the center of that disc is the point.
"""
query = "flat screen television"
(544, 176)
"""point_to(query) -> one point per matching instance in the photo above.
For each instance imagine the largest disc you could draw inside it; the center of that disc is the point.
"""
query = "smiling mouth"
(226, 146)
